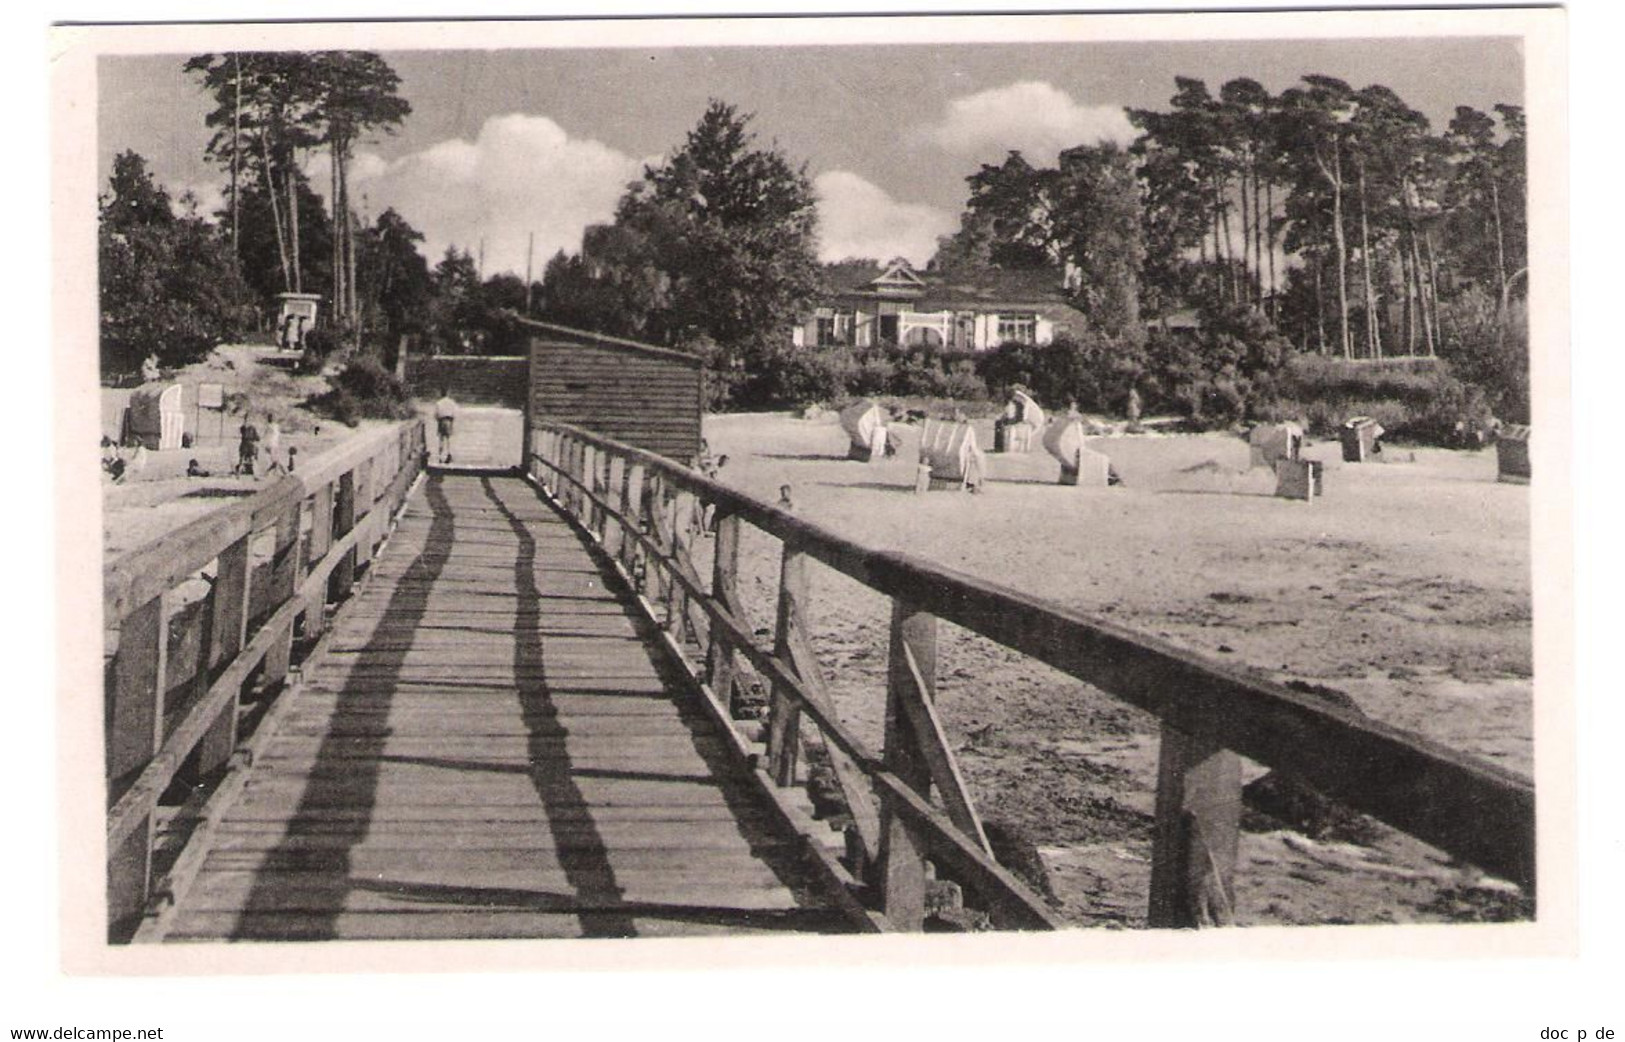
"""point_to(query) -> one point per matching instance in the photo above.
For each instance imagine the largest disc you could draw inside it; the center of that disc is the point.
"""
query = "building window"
(833, 327)
(1018, 329)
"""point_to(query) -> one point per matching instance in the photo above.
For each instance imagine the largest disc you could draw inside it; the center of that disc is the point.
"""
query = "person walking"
(248, 446)
(445, 418)
(273, 444)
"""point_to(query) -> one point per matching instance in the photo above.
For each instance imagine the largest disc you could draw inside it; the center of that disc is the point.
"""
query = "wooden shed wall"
(647, 398)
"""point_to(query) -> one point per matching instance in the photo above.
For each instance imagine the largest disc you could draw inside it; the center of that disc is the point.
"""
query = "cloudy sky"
(505, 143)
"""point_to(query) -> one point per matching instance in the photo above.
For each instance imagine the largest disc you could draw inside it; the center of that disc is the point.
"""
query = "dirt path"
(1407, 587)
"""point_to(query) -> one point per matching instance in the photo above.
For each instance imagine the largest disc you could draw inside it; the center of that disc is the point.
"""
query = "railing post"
(135, 720)
(784, 714)
(676, 596)
(653, 507)
(632, 510)
(228, 629)
(589, 508)
(343, 521)
(286, 570)
(901, 867)
(578, 470)
(366, 496)
(572, 470)
(720, 667)
(1197, 830)
(606, 463)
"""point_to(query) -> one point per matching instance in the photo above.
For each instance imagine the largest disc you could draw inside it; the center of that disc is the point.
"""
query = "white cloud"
(858, 219)
(1038, 118)
(522, 174)
(210, 198)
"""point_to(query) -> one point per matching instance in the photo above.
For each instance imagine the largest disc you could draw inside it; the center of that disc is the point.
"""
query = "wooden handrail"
(1475, 811)
(350, 497)
(136, 576)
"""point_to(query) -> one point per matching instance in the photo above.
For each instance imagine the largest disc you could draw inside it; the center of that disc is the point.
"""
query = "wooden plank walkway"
(491, 749)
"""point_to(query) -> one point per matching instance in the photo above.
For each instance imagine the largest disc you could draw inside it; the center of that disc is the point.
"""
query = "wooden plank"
(737, 861)
(918, 704)
(642, 842)
(413, 817)
(295, 892)
(1197, 831)
(784, 714)
(721, 667)
(618, 921)
(134, 734)
(901, 858)
(344, 518)
(228, 628)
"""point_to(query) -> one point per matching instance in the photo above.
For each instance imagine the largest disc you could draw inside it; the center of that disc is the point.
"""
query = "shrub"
(1489, 349)
(1425, 403)
(364, 389)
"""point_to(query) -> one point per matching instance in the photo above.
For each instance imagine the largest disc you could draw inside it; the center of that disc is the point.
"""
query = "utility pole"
(479, 269)
(530, 252)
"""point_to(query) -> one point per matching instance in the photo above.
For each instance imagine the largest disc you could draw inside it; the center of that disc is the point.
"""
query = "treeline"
(1325, 219)
(1322, 219)
(1336, 214)
(176, 281)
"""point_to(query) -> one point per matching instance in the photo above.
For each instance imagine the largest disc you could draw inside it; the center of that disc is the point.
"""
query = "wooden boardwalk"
(490, 748)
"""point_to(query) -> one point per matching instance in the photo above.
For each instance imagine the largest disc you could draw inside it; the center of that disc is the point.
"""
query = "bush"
(1425, 403)
(364, 389)
(766, 374)
(1489, 350)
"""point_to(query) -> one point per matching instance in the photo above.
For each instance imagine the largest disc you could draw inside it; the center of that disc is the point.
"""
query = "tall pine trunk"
(1269, 232)
(1341, 243)
(335, 202)
(1246, 247)
(349, 251)
(1320, 301)
(1220, 268)
(271, 191)
(293, 220)
(1229, 245)
(1433, 282)
(1500, 239)
(1259, 220)
(236, 146)
(1422, 290)
(1373, 336)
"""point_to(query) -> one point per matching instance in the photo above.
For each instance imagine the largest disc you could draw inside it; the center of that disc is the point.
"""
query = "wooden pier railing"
(176, 684)
(641, 508)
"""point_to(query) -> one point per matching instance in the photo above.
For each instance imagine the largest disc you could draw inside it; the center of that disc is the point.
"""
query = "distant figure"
(273, 443)
(112, 459)
(195, 471)
(445, 417)
(138, 463)
(707, 465)
(785, 502)
(248, 447)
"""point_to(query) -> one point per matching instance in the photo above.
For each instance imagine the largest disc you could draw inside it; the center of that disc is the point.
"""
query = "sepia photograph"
(961, 476)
